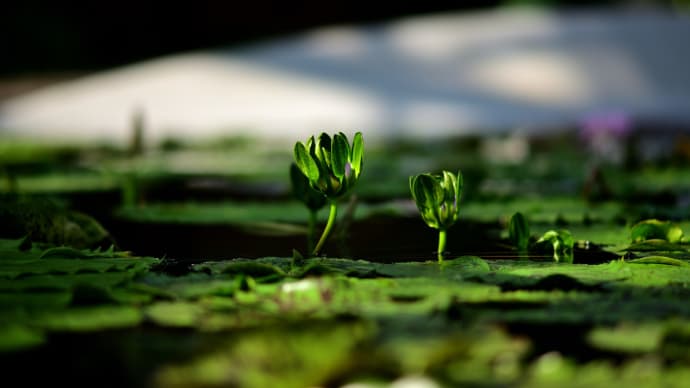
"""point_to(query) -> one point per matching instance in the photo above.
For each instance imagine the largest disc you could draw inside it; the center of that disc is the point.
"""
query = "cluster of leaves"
(437, 197)
(325, 170)
(331, 165)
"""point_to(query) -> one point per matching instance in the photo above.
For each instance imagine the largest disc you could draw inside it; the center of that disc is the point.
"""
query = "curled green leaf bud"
(437, 197)
(331, 165)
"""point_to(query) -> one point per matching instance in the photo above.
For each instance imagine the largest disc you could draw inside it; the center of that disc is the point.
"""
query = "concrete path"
(425, 76)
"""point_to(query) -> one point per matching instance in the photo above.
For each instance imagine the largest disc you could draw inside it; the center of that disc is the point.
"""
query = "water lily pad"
(60, 281)
(15, 337)
(86, 319)
(14, 268)
(309, 356)
(627, 338)
(174, 314)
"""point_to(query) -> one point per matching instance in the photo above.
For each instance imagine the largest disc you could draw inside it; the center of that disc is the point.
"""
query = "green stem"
(311, 230)
(441, 244)
(327, 230)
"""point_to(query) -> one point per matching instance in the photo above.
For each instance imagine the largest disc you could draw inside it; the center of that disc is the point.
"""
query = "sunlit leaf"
(305, 163)
(357, 151)
(340, 155)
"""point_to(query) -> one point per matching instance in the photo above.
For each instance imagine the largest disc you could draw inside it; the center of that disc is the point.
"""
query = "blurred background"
(82, 71)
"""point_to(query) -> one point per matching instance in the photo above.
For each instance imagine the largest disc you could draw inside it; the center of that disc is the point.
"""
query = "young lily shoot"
(438, 199)
(332, 167)
(562, 242)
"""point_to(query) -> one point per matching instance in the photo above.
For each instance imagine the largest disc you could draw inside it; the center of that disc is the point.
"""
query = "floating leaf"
(14, 268)
(174, 314)
(633, 339)
(16, 337)
(467, 266)
(656, 245)
(90, 318)
(660, 260)
(63, 253)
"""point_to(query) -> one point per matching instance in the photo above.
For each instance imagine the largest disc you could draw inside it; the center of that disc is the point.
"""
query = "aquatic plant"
(562, 242)
(519, 233)
(332, 167)
(438, 199)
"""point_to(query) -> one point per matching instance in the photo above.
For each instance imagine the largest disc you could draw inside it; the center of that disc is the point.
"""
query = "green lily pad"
(660, 260)
(174, 314)
(56, 282)
(15, 337)
(309, 356)
(14, 268)
(89, 319)
(627, 338)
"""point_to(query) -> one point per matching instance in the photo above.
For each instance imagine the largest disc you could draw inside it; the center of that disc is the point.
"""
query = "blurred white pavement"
(423, 76)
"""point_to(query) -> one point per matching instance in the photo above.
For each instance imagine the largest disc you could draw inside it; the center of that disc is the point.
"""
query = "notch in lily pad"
(332, 167)
(437, 197)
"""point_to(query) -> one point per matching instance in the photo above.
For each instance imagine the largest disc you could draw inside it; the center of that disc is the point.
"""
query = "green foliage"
(437, 197)
(16, 337)
(660, 260)
(518, 232)
(301, 189)
(331, 165)
(332, 168)
(656, 230)
(562, 242)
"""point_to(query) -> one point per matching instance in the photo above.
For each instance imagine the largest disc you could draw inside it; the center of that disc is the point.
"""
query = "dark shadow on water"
(379, 239)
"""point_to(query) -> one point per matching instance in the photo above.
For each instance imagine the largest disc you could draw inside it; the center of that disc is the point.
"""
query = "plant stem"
(441, 244)
(311, 230)
(327, 230)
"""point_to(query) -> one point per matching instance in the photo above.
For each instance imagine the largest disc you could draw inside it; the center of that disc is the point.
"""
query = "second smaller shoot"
(438, 199)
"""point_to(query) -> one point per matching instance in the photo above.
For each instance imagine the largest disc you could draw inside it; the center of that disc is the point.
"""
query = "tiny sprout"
(438, 198)
(562, 242)
(332, 168)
